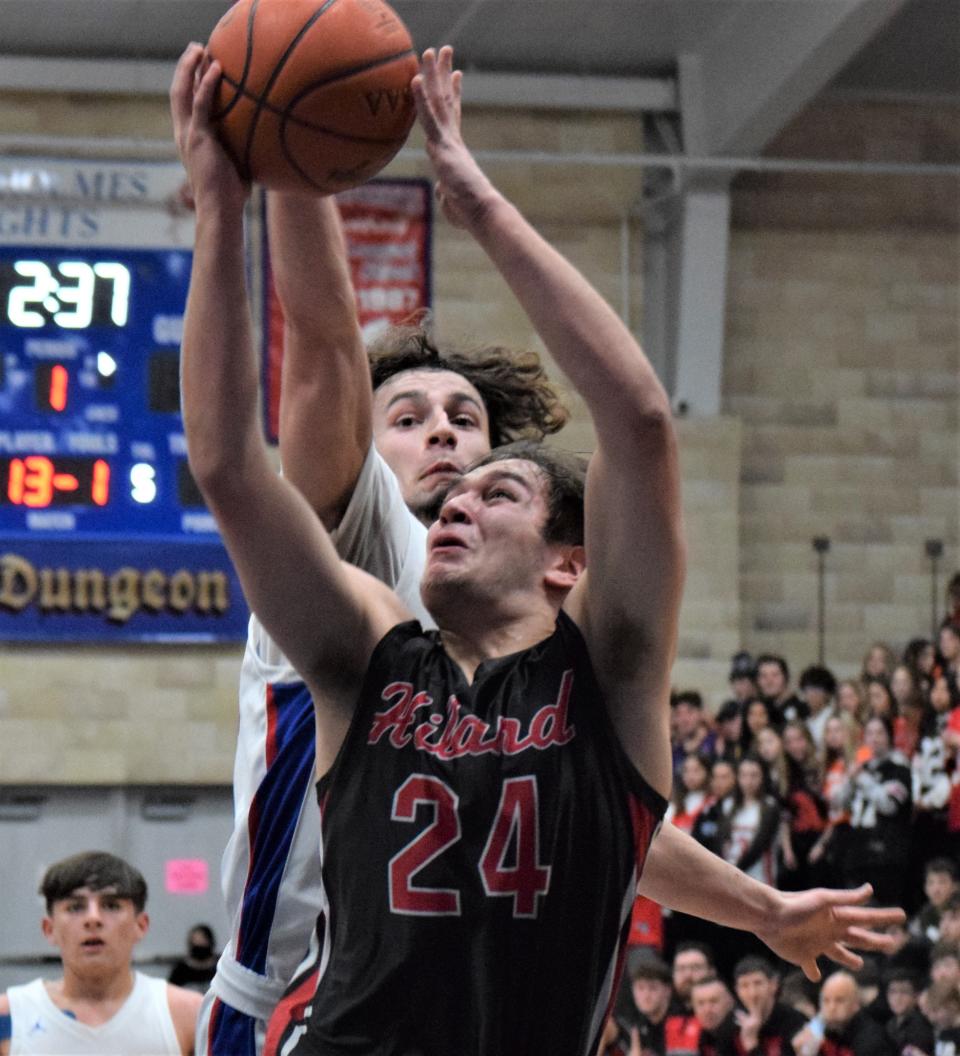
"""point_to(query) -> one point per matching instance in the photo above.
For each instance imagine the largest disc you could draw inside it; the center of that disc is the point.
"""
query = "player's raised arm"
(324, 615)
(326, 398)
(627, 605)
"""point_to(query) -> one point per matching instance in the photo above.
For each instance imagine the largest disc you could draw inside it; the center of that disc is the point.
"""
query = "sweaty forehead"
(441, 386)
(518, 469)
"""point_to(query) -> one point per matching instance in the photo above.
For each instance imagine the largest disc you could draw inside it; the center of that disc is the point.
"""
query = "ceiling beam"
(770, 59)
(527, 91)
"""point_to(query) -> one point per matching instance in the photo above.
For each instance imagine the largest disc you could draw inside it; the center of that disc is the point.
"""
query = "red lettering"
(399, 718)
(453, 736)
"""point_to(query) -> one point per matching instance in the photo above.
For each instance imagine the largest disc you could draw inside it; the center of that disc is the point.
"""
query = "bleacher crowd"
(826, 782)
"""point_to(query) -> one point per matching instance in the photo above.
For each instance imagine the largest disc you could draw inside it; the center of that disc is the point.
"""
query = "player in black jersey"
(492, 608)
(489, 792)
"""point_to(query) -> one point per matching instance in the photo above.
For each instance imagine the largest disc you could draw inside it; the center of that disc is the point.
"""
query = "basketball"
(315, 94)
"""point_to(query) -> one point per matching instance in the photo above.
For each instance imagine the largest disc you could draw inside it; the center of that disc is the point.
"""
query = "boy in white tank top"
(101, 1006)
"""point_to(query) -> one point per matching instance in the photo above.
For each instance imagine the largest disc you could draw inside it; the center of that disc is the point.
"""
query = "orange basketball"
(315, 94)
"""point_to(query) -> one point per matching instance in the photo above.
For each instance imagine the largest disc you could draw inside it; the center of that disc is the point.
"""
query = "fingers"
(839, 953)
(436, 89)
(853, 897)
(204, 95)
(864, 939)
(811, 970)
(181, 87)
(868, 917)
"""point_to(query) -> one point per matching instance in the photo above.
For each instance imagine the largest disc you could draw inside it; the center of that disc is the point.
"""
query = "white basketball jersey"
(142, 1027)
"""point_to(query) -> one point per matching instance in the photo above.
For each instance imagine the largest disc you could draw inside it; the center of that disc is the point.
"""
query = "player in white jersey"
(101, 1006)
(429, 423)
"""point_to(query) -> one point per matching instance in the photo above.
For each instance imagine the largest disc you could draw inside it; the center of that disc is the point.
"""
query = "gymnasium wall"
(839, 419)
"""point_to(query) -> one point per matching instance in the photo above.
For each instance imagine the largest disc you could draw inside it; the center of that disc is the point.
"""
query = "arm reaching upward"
(627, 604)
(325, 615)
(326, 398)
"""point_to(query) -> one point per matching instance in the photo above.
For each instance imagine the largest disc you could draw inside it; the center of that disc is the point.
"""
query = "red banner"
(387, 225)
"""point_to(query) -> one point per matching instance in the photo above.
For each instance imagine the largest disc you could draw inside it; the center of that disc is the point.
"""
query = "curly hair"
(521, 403)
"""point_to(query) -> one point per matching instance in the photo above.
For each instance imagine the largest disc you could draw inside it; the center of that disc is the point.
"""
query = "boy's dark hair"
(820, 678)
(565, 475)
(651, 968)
(700, 947)
(748, 965)
(772, 658)
(520, 401)
(942, 865)
(96, 870)
(688, 696)
(901, 975)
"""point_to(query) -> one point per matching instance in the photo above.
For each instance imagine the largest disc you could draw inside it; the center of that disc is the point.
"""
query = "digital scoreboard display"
(91, 438)
(104, 535)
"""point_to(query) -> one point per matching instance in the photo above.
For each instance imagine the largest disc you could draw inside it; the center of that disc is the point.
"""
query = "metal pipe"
(164, 149)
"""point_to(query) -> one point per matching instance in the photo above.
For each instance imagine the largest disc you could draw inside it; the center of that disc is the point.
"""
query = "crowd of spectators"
(831, 782)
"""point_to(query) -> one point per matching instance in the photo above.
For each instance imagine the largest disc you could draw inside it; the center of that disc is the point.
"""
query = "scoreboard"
(103, 533)
(91, 438)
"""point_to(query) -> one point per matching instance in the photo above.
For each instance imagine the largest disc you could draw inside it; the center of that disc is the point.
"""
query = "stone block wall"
(839, 418)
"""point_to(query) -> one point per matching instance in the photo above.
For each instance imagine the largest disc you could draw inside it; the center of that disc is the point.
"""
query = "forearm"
(326, 399)
(255, 510)
(219, 383)
(589, 342)
(684, 876)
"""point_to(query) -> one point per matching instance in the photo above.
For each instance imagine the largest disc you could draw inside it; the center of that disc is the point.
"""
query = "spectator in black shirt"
(908, 1028)
(729, 726)
(200, 964)
(941, 1004)
(849, 1031)
(773, 681)
(651, 990)
(765, 1027)
(713, 1007)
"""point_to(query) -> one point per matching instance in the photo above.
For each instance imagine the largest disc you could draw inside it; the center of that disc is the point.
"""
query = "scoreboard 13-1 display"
(91, 439)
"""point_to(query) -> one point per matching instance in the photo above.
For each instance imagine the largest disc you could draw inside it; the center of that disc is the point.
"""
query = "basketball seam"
(241, 84)
(275, 74)
(263, 104)
(295, 165)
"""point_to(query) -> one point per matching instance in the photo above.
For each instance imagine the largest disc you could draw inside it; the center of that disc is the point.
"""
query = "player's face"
(488, 539)
(711, 1003)
(429, 425)
(95, 931)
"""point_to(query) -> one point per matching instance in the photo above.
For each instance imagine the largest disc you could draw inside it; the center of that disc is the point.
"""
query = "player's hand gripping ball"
(315, 94)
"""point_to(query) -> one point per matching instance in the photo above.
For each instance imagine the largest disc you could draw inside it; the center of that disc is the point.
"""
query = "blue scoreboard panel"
(103, 533)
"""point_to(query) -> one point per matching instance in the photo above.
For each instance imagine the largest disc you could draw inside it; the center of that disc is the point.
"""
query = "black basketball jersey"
(481, 848)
